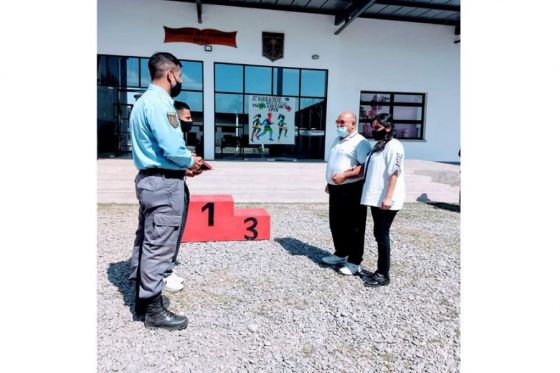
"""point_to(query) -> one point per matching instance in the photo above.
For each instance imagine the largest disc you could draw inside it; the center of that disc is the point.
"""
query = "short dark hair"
(180, 105)
(161, 62)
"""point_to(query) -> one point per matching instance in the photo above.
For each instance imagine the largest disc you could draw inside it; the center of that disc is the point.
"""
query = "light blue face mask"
(342, 131)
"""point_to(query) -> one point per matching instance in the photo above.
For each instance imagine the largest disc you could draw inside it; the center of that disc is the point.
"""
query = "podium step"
(256, 222)
(214, 218)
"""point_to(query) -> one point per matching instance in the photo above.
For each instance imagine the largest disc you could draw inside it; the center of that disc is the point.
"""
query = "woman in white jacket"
(383, 191)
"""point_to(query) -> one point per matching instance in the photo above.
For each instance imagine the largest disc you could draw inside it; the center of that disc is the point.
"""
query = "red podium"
(214, 218)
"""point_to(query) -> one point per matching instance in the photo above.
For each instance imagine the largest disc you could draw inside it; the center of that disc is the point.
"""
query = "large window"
(234, 84)
(407, 110)
(121, 80)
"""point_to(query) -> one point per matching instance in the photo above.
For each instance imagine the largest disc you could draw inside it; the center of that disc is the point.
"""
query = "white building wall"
(373, 55)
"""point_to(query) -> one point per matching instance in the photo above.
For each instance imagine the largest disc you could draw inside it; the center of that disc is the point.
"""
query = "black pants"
(347, 220)
(382, 220)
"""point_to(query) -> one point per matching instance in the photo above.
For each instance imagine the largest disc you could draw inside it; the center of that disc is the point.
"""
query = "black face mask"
(175, 90)
(186, 126)
(379, 135)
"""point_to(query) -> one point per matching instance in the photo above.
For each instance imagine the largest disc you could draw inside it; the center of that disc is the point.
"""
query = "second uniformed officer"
(162, 159)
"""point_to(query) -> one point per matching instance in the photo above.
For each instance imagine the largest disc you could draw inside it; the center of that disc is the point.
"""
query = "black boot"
(140, 305)
(157, 316)
(139, 309)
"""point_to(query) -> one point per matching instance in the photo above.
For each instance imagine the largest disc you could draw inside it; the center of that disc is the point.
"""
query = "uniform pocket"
(146, 183)
(167, 220)
(166, 229)
(155, 191)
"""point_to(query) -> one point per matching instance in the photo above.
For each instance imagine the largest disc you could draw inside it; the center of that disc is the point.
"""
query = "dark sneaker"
(375, 280)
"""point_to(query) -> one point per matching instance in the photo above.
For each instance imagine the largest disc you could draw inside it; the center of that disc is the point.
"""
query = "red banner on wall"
(200, 37)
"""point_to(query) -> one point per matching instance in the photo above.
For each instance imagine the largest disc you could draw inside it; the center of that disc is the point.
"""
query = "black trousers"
(347, 220)
(382, 220)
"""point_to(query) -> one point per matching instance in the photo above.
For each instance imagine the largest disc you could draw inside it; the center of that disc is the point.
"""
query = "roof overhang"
(438, 12)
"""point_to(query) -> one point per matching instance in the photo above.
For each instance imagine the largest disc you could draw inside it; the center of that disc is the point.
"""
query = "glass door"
(123, 106)
(107, 145)
(310, 142)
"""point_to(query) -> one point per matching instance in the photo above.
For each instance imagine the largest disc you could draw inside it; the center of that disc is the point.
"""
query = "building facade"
(408, 69)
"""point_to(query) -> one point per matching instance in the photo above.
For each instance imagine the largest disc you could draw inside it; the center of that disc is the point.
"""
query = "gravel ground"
(270, 306)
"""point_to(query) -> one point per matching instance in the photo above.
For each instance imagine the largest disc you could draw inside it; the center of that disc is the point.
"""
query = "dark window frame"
(139, 86)
(392, 104)
(122, 77)
(243, 93)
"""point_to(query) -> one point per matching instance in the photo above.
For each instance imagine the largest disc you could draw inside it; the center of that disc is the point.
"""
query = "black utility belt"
(170, 174)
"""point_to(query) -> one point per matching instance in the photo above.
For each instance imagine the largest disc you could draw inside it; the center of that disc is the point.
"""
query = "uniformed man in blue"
(160, 154)
(173, 283)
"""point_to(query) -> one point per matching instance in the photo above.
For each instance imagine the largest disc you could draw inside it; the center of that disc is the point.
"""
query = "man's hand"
(197, 163)
(191, 173)
(338, 178)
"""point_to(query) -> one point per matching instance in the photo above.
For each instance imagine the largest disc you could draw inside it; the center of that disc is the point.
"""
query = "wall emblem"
(273, 45)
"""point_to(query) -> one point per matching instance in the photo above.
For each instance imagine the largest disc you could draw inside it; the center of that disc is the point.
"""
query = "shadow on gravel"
(446, 206)
(297, 247)
(118, 275)
(315, 254)
(439, 205)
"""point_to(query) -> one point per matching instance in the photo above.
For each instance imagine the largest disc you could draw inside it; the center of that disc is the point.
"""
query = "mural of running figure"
(267, 123)
(256, 126)
(282, 126)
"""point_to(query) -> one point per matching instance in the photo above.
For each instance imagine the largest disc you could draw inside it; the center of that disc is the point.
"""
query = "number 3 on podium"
(252, 228)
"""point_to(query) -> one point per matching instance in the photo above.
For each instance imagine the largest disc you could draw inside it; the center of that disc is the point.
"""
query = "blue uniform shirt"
(157, 140)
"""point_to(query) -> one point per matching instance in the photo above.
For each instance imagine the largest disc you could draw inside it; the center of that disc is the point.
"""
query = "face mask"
(341, 131)
(379, 135)
(176, 89)
(186, 126)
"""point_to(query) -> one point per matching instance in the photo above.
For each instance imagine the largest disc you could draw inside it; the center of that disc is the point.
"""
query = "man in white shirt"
(347, 217)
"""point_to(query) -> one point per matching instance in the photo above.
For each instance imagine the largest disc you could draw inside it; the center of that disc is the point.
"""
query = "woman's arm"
(387, 201)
